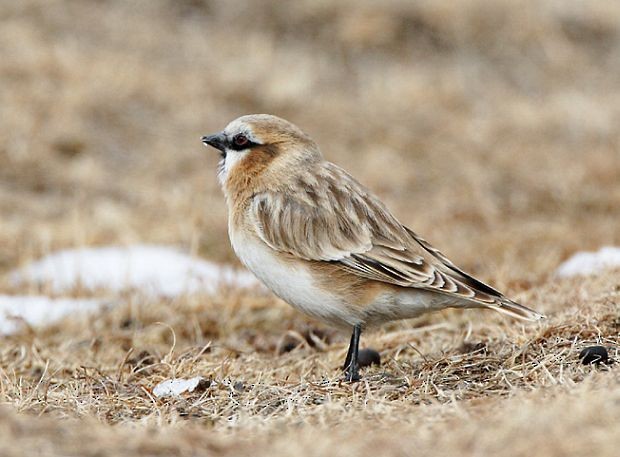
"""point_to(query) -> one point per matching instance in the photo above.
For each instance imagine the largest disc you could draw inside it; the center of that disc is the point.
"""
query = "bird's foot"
(352, 374)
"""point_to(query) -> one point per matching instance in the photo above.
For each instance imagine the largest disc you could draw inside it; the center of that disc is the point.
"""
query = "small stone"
(594, 355)
(176, 387)
(367, 357)
(203, 385)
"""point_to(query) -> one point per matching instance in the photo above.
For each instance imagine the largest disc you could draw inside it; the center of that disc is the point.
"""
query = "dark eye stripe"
(240, 142)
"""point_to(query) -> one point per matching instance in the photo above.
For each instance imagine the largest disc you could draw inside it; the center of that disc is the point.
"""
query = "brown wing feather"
(329, 216)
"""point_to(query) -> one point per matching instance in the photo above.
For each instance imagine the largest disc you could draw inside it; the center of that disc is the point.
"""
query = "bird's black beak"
(218, 141)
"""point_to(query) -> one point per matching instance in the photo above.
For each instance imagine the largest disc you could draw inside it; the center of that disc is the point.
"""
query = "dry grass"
(489, 127)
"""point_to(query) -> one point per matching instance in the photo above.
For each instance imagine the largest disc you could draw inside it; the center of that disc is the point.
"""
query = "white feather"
(231, 160)
(293, 283)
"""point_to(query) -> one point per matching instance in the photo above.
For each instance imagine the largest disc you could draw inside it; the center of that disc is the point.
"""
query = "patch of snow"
(158, 270)
(38, 310)
(587, 263)
(175, 387)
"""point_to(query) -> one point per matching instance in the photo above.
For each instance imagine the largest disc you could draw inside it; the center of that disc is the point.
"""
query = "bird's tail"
(514, 309)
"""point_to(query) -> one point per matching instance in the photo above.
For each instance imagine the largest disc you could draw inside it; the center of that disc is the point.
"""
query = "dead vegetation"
(489, 127)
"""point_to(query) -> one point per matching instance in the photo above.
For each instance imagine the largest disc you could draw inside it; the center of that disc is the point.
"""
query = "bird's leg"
(347, 360)
(351, 367)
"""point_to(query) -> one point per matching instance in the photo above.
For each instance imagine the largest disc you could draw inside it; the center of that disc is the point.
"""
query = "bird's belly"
(406, 303)
(292, 281)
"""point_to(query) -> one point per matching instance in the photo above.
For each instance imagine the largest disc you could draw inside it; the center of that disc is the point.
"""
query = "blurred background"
(492, 128)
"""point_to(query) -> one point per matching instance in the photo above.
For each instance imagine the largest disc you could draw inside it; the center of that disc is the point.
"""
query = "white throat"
(227, 164)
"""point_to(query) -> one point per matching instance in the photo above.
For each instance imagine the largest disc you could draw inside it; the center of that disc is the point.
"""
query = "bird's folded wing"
(335, 219)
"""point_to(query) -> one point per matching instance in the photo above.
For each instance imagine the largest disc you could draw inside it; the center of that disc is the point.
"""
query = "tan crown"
(282, 148)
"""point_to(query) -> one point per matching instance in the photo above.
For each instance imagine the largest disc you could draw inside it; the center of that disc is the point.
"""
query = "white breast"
(292, 282)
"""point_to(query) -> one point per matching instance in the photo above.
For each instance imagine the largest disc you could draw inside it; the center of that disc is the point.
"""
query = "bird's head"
(254, 144)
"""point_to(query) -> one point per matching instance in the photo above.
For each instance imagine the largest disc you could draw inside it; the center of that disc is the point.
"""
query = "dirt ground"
(492, 128)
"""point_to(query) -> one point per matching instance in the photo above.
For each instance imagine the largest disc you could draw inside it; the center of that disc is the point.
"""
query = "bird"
(325, 244)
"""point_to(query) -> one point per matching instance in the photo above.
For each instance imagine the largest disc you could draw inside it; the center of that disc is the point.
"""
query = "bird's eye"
(241, 140)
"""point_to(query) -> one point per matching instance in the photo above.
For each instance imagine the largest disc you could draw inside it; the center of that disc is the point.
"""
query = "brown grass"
(491, 128)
